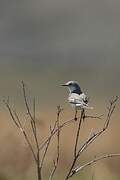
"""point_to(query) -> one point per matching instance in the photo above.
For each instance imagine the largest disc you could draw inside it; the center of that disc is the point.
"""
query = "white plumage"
(77, 98)
(79, 101)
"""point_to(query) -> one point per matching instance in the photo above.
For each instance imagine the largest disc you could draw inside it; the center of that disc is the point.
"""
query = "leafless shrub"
(56, 130)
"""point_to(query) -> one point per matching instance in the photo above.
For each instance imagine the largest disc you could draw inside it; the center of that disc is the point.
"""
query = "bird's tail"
(88, 107)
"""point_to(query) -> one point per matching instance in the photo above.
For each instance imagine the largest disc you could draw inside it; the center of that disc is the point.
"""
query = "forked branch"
(93, 161)
(91, 139)
(40, 150)
(55, 162)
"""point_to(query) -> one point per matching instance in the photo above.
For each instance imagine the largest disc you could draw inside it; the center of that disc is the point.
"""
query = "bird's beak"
(64, 85)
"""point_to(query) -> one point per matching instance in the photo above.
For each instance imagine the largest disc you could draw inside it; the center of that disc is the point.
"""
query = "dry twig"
(93, 161)
(75, 146)
(55, 163)
(92, 138)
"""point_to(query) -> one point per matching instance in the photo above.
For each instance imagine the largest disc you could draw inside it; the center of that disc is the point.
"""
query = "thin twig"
(58, 134)
(34, 115)
(93, 161)
(17, 122)
(27, 106)
(78, 133)
(11, 114)
(66, 123)
(93, 137)
(75, 114)
(55, 163)
(33, 123)
(93, 117)
(75, 147)
(47, 144)
(53, 171)
(100, 132)
(33, 126)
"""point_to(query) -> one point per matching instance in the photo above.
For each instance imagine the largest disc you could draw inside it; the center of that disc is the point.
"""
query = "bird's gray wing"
(78, 99)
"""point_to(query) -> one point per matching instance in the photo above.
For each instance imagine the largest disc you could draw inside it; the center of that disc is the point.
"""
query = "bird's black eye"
(70, 84)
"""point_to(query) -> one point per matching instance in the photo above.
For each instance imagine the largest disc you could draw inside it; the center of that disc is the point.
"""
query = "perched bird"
(77, 98)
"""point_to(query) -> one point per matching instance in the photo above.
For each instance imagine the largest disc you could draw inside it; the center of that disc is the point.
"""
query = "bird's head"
(73, 87)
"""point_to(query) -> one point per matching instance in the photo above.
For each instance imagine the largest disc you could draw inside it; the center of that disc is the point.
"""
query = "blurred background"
(46, 43)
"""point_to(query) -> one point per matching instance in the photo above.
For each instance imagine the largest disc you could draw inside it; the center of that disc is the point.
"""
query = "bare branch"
(59, 110)
(100, 132)
(58, 134)
(11, 114)
(76, 144)
(26, 103)
(78, 133)
(75, 118)
(66, 123)
(33, 123)
(93, 117)
(93, 161)
(34, 115)
(56, 130)
(93, 137)
(33, 126)
(17, 122)
(53, 171)
(47, 144)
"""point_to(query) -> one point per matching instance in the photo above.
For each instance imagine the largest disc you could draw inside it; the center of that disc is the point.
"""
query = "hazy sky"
(35, 27)
(47, 42)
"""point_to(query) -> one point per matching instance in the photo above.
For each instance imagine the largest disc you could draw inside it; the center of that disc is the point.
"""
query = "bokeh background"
(46, 43)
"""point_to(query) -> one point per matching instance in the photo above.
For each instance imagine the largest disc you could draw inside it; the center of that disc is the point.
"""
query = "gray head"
(73, 87)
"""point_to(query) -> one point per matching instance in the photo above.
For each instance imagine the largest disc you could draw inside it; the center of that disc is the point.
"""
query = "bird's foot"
(75, 118)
